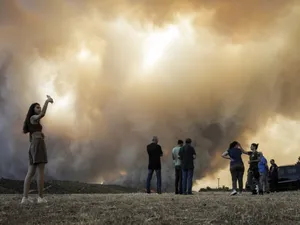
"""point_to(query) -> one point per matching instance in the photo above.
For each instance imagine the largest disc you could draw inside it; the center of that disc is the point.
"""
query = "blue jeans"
(158, 180)
(187, 181)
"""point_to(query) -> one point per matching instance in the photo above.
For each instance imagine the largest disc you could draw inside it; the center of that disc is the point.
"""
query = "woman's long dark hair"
(28, 116)
(233, 144)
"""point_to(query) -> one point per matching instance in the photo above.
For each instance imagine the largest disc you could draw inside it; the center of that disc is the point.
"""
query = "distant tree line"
(223, 188)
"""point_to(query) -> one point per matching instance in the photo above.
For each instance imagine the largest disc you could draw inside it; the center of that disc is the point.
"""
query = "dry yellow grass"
(201, 208)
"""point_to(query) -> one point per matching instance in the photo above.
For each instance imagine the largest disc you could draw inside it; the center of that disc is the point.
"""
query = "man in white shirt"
(177, 164)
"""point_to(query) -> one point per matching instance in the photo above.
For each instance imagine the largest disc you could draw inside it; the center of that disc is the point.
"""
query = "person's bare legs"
(28, 179)
(40, 179)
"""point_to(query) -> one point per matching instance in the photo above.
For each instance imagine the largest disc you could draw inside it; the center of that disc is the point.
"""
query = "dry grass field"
(139, 208)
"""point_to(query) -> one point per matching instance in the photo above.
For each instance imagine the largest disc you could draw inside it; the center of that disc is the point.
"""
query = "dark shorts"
(37, 150)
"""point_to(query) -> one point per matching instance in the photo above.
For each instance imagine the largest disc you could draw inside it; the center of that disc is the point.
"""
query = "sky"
(123, 71)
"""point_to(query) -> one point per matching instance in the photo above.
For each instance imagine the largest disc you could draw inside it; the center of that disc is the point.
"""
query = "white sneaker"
(26, 200)
(41, 200)
(233, 193)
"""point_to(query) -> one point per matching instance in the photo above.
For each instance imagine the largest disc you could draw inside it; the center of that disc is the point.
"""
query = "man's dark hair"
(180, 142)
(255, 145)
(188, 141)
(233, 144)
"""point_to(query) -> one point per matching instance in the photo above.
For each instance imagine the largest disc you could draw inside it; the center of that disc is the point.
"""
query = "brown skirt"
(37, 149)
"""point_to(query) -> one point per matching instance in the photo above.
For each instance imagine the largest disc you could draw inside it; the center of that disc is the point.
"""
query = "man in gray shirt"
(178, 169)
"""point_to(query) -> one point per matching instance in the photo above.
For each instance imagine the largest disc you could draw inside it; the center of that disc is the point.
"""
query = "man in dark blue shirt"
(187, 155)
(155, 153)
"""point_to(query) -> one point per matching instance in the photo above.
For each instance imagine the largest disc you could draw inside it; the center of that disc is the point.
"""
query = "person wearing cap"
(263, 174)
(177, 165)
(187, 155)
(253, 173)
(155, 153)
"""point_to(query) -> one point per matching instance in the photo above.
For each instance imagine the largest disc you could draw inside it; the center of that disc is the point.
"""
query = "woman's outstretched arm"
(244, 152)
(44, 110)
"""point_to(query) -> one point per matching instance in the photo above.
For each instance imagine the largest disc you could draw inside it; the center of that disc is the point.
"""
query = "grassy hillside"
(62, 187)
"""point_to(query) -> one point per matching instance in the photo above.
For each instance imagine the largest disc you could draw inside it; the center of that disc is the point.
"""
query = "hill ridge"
(9, 186)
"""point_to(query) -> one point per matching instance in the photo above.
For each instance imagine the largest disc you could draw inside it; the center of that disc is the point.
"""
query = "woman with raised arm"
(237, 169)
(37, 150)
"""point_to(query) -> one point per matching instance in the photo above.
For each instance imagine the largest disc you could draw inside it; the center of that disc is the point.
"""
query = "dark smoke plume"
(233, 68)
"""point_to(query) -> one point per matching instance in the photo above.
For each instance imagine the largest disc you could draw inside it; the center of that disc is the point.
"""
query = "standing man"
(263, 174)
(178, 169)
(154, 153)
(253, 173)
(273, 174)
(187, 155)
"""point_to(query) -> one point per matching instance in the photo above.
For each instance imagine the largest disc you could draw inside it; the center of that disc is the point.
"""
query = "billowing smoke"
(123, 71)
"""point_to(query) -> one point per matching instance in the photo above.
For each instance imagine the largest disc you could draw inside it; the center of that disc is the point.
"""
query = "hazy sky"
(123, 71)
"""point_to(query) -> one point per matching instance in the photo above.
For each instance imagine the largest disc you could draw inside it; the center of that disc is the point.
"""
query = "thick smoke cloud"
(234, 67)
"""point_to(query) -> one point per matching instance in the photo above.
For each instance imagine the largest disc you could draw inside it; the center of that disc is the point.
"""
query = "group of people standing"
(183, 156)
(259, 173)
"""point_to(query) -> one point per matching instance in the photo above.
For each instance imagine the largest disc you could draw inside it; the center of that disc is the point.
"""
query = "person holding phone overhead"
(37, 150)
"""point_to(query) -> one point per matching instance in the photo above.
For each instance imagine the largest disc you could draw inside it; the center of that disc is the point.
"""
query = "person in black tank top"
(37, 151)
(253, 173)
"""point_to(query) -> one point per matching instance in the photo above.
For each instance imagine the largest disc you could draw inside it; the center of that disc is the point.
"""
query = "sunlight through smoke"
(84, 54)
(157, 43)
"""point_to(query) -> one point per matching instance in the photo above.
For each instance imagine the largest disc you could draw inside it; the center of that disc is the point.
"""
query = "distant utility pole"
(218, 183)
